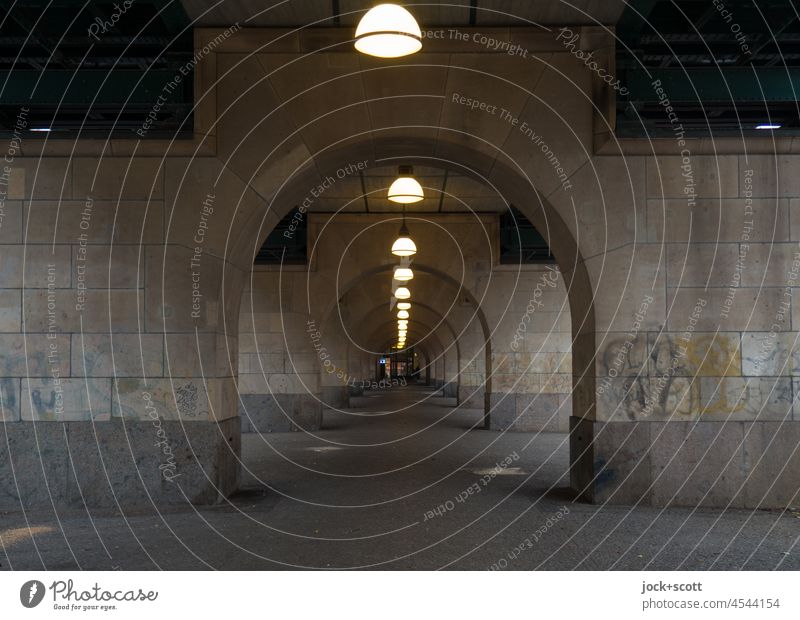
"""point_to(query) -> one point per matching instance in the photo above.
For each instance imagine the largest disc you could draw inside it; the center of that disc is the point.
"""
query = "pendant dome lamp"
(403, 274)
(403, 314)
(402, 293)
(388, 31)
(404, 305)
(404, 246)
(405, 189)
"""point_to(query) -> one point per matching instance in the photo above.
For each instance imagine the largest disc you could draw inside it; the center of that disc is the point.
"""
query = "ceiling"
(102, 83)
(724, 72)
(72, 82)
(294, 13)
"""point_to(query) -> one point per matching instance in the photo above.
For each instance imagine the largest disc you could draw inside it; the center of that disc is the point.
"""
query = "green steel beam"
(83, 86)
(630, 23)
(737, 84)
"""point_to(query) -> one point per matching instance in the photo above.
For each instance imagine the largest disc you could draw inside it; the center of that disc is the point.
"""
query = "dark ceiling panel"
(260, 13)
(295, 13)
(522, 12)
(98, 65)
(724, 67)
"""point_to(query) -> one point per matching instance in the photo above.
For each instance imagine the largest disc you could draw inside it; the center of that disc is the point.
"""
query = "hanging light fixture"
(403, 314)
(405, 189)
(388, 31)
(404, 246)
(403, 305)
(403, 274)
(402, 293)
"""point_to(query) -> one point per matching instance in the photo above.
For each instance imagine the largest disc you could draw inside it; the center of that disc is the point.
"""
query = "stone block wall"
(531, 349)
(279, 367)
(116, 377)
(697, 367)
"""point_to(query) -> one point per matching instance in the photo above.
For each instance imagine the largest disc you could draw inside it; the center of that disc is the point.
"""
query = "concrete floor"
(356, 496)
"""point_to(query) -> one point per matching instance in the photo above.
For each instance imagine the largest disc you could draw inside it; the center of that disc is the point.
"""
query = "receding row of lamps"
(404, 190)
(390, 31)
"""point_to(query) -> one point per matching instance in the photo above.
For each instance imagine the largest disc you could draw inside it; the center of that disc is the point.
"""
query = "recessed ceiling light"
(766, 126)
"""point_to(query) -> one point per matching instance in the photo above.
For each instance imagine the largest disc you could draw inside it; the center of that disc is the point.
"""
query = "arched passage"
(514, 187)
(451, 314)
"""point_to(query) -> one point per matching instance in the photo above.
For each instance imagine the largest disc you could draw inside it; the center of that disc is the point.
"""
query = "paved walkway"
(379, 487)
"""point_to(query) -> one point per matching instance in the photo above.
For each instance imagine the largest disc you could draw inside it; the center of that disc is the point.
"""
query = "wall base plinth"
(741, 464)
(280, 413)
(117, 465)
(529, 412)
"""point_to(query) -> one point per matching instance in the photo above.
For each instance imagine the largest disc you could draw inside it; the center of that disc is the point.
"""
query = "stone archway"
(516, 189)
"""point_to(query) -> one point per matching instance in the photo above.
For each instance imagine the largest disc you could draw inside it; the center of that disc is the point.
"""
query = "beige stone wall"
(713, 274)
(275, 350)
(531, 348)
(92, 317)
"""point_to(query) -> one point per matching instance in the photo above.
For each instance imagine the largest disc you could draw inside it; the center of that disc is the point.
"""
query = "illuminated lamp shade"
(405, 190)
(404, 246)
(403, 305)
(403, 274)
(402, 323)
(388, 31)
(403, 314)
(402, 293)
